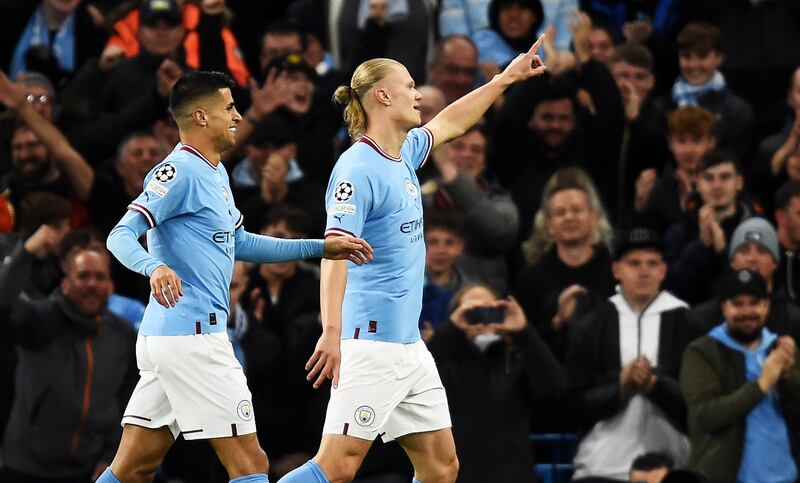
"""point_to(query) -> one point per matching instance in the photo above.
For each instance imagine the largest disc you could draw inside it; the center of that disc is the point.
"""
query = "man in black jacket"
(76, 367)
(495, 372)
(623, 363)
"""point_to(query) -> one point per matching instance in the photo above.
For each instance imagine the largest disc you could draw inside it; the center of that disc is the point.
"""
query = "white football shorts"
(386, 389)
(192, 384)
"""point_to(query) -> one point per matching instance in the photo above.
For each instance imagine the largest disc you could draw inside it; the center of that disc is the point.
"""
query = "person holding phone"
(495, 369)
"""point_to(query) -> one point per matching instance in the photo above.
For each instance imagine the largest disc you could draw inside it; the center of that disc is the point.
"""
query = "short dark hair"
(534, 6)
(692, 121)
(194, 85)
(715, 157)
(634, 54)
(785, 193)
(451, 222)
(41, 208)
(295, 218)
(557, 88)
(285, 26)
(700, 38)
(79, 240)
(652, 461)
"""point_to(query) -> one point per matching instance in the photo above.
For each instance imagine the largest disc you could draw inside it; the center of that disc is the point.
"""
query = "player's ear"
(199, 117)
(383, 97)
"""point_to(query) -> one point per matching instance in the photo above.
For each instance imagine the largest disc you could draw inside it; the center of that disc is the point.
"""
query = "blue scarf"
(36, 33)
(685, 94)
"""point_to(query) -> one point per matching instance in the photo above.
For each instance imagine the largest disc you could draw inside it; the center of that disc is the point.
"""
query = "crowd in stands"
(612, 252)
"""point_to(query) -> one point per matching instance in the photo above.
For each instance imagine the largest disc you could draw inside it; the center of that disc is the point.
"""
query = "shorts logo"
(410, 188)
(365, 416)
(245, 410)
(344, 191)
(165, 173)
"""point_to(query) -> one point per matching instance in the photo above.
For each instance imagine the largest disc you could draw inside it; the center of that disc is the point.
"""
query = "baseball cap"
(755, 230)
(740, 282)
(152, 10)
(637, 238)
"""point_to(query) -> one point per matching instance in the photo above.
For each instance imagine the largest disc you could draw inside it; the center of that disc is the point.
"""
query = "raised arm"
(464, 113)
(75, 167)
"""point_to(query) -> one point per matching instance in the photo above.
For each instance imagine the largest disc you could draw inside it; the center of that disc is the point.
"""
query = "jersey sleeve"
(348, 201)
(417, 147)
(168, 192)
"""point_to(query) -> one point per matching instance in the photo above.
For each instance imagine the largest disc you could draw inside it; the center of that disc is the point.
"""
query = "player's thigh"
(433, 454)
(141, 451)
(340, 456)
(241, 455)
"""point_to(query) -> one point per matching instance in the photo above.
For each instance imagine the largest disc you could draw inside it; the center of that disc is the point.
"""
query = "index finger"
(536, 45)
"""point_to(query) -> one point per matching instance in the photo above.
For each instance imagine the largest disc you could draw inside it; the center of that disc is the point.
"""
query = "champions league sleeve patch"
(344, 191)
(165, 173)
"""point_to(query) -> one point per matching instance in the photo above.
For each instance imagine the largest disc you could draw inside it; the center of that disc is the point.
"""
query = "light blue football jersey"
(377, 197)
(187, 202)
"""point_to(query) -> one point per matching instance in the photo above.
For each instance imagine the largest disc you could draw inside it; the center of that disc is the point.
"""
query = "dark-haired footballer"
(191, 383)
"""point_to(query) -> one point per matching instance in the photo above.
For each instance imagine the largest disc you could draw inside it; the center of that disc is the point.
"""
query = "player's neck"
(204, 146)
(389, 140)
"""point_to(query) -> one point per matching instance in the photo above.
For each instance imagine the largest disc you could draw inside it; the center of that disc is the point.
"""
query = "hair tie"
(352, 93)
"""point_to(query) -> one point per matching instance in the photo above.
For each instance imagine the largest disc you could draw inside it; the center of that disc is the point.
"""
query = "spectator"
(280, 38)
(569, 264)
(208, 44)
(454, 67)
(444, 245)
(750, 66)
(644, 146)
(466, 17)
(701, 83)
(543, 127)
(600, 43)
(316, 54)
(776, 158)
(270, 175)
(513, 28)
(490, 217)
(496, 372)
(48, 36)
(695, 246)
(742, 387)
(650, 468)
(160, 33)
(623, 363)
(313, 122)
(111, 190)
(787, 216)
(661, 201)
(76, 362)
(35, 168)
(431, 103)
(280, 292)
(754, 246)
(412, 25)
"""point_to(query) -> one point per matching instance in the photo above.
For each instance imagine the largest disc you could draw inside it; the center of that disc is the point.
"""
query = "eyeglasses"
(34, 99)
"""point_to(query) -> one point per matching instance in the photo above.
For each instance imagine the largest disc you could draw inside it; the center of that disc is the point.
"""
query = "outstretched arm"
(265, 249)
(461, 115)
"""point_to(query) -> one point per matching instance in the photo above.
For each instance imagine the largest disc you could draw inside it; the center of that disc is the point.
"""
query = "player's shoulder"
(177, 166)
